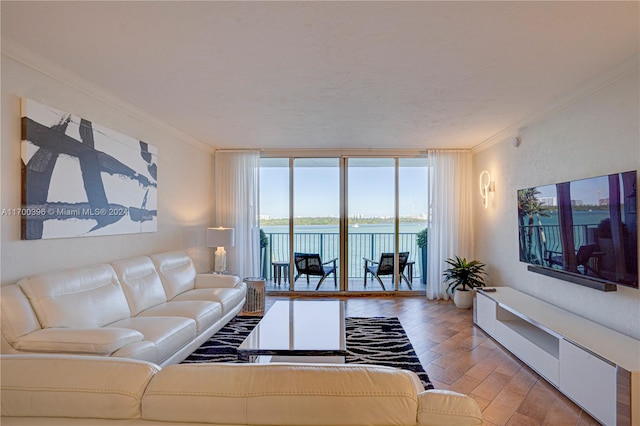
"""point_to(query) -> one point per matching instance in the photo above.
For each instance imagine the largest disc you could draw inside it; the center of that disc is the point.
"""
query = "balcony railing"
(359, 245)
(546, 238)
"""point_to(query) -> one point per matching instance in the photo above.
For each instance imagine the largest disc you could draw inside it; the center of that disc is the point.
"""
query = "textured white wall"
(184, 184)
(597, 135)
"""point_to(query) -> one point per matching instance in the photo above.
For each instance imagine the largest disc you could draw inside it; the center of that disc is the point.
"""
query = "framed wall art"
(83, 179)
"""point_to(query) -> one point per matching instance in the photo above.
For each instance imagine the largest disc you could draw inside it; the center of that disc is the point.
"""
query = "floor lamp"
(220, 238)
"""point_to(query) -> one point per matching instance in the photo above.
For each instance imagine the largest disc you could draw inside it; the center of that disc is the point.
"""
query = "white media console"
(596, 367)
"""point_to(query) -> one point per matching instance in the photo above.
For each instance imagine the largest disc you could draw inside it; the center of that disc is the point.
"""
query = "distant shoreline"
(307, 221)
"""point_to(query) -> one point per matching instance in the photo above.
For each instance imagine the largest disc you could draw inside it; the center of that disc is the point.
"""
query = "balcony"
(546, 238)
(327, 244)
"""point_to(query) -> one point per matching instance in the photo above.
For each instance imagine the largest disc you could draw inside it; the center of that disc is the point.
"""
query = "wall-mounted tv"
(584, 231)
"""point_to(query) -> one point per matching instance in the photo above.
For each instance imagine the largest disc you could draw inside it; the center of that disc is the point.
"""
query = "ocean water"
(365, 240)
(580, 217)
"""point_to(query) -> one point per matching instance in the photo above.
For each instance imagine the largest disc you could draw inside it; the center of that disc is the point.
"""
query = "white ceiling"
(409, 75)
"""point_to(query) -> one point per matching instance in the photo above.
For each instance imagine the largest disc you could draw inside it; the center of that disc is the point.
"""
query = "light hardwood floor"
(459, 356)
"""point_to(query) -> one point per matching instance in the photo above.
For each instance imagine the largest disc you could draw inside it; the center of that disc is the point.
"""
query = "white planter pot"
(463, 299)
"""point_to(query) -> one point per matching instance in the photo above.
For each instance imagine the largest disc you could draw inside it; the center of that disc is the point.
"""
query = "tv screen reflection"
(587, 227)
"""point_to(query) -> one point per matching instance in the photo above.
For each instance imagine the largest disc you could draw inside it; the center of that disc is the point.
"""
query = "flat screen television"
(584, 231)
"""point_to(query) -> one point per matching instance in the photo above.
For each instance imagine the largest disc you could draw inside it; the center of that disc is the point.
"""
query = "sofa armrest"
(95, 341)
(216, 281)
(443, 408)
(72, 386)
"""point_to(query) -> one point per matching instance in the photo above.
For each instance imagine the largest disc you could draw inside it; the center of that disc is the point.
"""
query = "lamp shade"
(220, 237)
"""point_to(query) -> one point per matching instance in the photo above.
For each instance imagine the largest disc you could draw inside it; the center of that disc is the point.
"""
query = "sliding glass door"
(316, 223)
(371, 238)
(274, 222)
(412, 219)
(343, 224)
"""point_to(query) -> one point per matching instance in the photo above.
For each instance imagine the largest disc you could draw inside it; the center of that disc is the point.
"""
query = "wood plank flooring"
(355, 284)
(459, 356)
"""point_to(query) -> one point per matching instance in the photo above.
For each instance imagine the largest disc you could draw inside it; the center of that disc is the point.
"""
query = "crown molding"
(618, 72)
(19, 53)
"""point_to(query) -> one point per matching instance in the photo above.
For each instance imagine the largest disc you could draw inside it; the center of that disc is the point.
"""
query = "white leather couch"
(59, 390)
(153, 308)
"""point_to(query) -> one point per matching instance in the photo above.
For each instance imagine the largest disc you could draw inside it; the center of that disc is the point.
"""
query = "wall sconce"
(220, 237)
(486, 186)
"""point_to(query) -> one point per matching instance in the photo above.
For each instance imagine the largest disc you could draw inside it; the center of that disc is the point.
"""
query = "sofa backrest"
(140, 282)
(283, 394)
(84, 297)
(73, 386)
(176, 271)
(60, 388)
(447, 408)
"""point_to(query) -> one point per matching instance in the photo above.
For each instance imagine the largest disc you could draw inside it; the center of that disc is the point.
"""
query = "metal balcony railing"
(359, 245)
(538, 240)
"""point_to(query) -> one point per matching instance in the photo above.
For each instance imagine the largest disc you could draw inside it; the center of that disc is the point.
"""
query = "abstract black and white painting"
(82, 179)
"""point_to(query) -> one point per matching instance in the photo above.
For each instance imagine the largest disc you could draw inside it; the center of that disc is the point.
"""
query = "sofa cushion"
(444, 408)
(144, 350)
(279, 394)
(204, 313)
(176, 271)
(229, 298)
(95, 341)
(140, 282)
(166, 334)
(73, 386)
(18, 317)
(85, 298)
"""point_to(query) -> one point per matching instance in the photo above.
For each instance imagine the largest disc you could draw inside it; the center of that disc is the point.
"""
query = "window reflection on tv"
(586, 227)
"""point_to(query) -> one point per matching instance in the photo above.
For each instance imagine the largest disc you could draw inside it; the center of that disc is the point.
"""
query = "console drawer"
(485, 310)
(527, 342)
(589, 381)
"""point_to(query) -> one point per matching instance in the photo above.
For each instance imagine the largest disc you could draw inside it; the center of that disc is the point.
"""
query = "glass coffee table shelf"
(298, 331)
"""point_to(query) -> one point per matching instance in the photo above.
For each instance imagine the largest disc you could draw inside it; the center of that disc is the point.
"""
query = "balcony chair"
(385, 267)
(584, 253)
(310, 264)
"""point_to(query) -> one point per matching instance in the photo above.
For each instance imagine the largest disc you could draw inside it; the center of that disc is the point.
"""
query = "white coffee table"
(298, 331)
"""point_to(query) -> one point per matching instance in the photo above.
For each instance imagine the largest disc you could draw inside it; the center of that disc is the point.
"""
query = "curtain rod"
(324, 152)
(237, 150)
(450, 150)
(364, 152)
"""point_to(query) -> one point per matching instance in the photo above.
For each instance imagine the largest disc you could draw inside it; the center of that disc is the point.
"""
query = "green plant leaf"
(463, 273)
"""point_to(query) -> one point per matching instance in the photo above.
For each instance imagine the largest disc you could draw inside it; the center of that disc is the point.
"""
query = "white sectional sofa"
(56, 390)
(153, 308)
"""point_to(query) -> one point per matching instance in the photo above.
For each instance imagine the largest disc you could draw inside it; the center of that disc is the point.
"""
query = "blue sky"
(317, 191)
(587, 190)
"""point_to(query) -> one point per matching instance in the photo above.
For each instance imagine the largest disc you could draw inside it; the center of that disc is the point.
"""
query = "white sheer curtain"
(236, 198)
(450, 228)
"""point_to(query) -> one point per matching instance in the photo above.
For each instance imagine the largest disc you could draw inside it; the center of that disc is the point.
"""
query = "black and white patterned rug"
(379, 341)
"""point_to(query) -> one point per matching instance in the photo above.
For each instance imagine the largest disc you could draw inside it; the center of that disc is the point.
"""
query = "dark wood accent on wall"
(623, 408)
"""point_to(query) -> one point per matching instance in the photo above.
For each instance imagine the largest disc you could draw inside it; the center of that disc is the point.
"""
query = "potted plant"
(463, 276)
(264, 242)
(421, 241)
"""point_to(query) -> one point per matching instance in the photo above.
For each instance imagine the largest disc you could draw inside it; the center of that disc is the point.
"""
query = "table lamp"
(220, 237)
